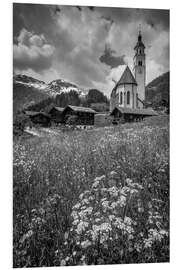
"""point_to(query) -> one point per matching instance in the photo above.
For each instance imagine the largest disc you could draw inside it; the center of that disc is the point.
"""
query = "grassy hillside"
(23, 96)
(157, 91)
(92, 197)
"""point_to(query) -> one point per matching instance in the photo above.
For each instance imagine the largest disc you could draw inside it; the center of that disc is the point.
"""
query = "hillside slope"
(157, 91)
(27, 91)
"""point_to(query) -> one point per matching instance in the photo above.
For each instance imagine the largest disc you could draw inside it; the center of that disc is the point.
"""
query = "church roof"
(127, 77)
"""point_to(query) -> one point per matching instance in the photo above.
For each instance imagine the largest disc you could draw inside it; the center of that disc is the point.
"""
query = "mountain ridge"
(28, 91)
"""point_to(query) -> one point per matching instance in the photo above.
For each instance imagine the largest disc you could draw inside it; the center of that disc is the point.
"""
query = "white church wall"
(121, 89)
(129, 87)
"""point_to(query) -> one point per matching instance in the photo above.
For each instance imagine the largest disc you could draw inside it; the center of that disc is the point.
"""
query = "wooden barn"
(40, 118)
(82, 115)
(121, 114)
(56, 114)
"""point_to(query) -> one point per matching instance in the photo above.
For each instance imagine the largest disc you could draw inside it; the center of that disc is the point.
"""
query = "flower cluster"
(111, 215)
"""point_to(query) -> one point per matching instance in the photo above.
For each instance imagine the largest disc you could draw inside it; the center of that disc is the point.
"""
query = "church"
(128, 95)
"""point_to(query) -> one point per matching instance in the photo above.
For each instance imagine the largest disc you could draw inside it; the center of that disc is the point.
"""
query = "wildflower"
(113, 191)
(89, 210)
(33, 211)
(83, 258)
(86, 244)
(97, 220)
(81, 227)
(105, 204)
(75, 222)
(113, 173)
(95, 184)
(138, 247)
(26, 236)
(41, 211)
(63, 262)
(66, 235)
(148, 243)
(77, 206)
(111, 217)
(128, 181)
(85, 201)
(81, 196)
(74, 214)
(122, 201)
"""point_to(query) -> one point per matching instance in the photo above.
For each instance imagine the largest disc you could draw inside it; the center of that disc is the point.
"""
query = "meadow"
(90, 197)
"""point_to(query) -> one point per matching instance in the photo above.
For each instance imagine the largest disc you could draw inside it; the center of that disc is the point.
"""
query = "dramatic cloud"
(32, 51)
(109, 59)
(87, 45)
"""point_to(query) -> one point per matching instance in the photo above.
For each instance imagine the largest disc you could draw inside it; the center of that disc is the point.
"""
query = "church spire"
(139, 43)
(139, 36)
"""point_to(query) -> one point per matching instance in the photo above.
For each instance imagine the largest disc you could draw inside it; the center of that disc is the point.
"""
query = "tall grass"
(55, 173)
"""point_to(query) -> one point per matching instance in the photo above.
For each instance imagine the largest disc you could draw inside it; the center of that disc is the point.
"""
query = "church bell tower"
(140, 69)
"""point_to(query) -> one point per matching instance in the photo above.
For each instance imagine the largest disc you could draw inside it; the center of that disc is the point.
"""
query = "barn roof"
(123, 110)
(80, 109)
(60, 109)
(33, 113)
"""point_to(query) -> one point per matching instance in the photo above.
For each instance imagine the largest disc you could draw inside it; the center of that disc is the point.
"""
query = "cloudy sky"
(87, 45)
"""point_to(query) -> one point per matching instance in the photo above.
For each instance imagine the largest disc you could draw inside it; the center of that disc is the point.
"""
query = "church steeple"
(140, 66)
(139, 36)
(139, 45)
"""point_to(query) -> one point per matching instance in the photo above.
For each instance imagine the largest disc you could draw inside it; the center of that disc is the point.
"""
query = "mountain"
(61, 86)
(157, 91)
(27, 91)
(30, 93)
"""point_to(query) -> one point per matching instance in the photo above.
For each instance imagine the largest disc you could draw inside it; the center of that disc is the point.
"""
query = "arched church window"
(137, 100)
(121, 98)
(140, 63)
(128, 97)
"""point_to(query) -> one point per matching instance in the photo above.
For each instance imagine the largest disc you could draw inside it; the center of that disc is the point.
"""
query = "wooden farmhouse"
(56, 114)
(81, 115)
(121, 114)
(40, 118)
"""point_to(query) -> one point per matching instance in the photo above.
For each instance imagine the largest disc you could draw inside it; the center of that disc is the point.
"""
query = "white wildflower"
(86, 244)
(81, 227)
